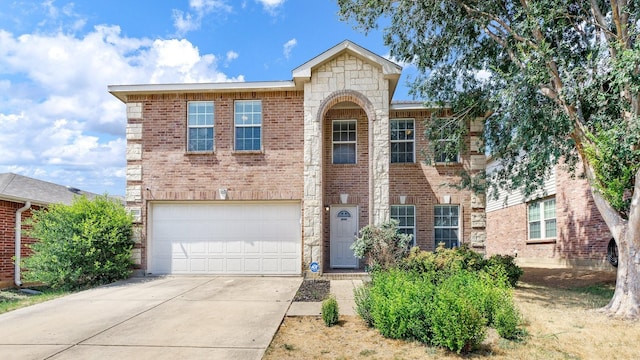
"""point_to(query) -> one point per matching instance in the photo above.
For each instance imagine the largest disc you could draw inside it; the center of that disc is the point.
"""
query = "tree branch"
(611, 217)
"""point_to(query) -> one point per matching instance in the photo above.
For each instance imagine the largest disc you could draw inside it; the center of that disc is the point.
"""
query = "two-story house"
(278, 177)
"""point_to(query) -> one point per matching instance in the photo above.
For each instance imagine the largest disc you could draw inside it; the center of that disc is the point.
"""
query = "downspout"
(26, 206)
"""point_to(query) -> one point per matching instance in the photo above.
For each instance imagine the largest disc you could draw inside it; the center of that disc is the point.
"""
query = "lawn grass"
(12, 299)
(599, 294)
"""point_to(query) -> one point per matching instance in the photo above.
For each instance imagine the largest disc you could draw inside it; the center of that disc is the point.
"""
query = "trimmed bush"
(330, 312)
(83, 244)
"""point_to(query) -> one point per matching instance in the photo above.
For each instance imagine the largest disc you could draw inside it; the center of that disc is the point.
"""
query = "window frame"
(201, 126)
(347, 142)
(457, 227)
(236, 125)
(542, 219)
(405, 227)
(448, 128)
(403, 141)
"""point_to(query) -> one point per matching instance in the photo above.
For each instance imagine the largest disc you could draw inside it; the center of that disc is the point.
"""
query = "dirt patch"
(561, 322)
(313, 291)
(567, 278)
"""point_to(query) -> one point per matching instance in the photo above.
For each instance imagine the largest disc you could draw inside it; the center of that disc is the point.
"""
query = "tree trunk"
(626, 299)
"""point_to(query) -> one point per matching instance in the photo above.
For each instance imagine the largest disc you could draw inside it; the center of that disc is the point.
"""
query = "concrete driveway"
(153, 318)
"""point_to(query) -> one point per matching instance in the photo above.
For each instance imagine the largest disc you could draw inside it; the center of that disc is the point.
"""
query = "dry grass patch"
(561, 319)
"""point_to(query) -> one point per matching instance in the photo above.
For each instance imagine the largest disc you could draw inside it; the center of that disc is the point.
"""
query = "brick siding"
(7, 240)
(582, 235)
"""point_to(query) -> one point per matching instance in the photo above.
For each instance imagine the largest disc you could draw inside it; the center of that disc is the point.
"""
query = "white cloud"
(288, 46)
(185, 22)
(232, 55)
(271, 5)
(57, 120)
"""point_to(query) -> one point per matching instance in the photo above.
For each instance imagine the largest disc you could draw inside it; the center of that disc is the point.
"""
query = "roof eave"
(122, 91)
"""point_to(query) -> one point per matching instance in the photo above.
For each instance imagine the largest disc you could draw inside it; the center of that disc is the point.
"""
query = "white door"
(344, 229)
(225, 238)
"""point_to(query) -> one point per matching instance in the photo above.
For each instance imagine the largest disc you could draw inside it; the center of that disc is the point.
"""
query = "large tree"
(561, 82)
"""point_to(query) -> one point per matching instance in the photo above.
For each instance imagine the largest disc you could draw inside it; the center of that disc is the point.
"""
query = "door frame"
(355, 210)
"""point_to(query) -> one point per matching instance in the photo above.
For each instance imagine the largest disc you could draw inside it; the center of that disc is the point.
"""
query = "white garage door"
(228, 238)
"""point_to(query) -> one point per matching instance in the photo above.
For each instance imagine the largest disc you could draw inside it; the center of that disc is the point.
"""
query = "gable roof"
(18, 188)
(390, 70)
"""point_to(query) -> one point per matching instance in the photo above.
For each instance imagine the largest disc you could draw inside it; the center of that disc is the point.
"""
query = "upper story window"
(406, 217)
(248, 125)
(344, 141)
(447, 225)
(542, 219)
(402, 140)
(200, 134)
(446, 147)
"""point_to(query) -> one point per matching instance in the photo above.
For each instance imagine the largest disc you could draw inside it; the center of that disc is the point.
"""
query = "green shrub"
(362, 298)
(513, 271)
(458, 319)
(506, 319)
(445, 298)
(383, 246)
(399, 304)
(330, 312)
(446, 262)
(83, 244)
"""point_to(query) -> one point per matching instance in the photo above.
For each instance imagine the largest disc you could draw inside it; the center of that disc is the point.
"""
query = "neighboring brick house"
(558, 228)
(278, 177)
(19, 195)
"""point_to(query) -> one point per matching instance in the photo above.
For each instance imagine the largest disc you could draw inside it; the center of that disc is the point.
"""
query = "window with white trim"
(402, 140)
(248, 125)
(542, 219)
(200, 134)
(344, 141)
(446, 149)
(447, 225)
(406, 217)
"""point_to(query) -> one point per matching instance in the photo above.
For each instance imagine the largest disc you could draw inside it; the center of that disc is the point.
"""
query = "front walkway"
(341, 289)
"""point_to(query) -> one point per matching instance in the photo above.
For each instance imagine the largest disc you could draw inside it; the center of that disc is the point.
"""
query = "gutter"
(17, 277)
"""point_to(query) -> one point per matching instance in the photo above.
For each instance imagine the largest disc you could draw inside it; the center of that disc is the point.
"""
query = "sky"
(58, 122)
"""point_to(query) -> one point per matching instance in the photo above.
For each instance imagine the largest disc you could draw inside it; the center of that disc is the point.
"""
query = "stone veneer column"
(312, 198)
(133, 195)
(379, 173)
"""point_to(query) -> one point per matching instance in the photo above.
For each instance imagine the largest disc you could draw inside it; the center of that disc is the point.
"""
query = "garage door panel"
(229, 238)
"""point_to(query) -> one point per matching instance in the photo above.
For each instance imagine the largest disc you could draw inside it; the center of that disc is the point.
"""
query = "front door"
(344, 229)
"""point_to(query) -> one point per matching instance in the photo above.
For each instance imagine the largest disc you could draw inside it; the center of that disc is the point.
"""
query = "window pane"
(534, 211)
(344, 153)
(248, 120)
(401, 134)
(550, 228)
(344, 141)
(446, 224)
(534, 230)
(550, 209)
(200, 126)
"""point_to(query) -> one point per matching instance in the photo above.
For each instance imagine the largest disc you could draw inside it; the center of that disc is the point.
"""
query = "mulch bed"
(313, 291)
